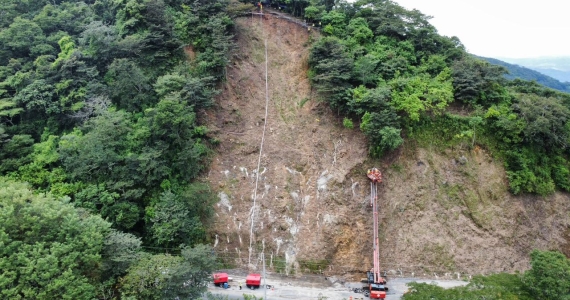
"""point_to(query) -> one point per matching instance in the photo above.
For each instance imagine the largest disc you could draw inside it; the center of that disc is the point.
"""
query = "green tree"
(8, 12)
(120, 251)
(172, 223)
(529, 171)
(148, 278)
(358, 29)
(334, 23)
(101, 156)
(332, 67)
(191, 278)
(93, 156)
(421, 93)
(498, 286)
(14, 151)
(98, 40)
(43, 170)
(130, 88)
(549, 275)
(474, 124)
(365, 69)
(67, 48)
(312, 13)
(21, 36)
(382, 131)
(215, 42)
(478, 82)
(8, 109)
(178, 219)
(372, 100)
(196, 92)
(546, 121)
(38, 98)
(68, 16)
(130, 15)
(3, 135)
(505, 124)
(172, 127)
(50, 250)
(163, 276)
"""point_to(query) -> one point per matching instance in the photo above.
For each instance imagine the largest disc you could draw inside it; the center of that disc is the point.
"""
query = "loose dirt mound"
(441, 213)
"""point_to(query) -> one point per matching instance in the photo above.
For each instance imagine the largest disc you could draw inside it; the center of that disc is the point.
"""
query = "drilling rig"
(376, 284)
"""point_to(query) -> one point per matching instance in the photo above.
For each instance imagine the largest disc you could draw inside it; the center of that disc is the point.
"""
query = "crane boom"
(376, 282)
(374, 199)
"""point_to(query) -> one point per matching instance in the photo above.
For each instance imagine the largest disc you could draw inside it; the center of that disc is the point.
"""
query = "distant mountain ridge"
(561, 75)
(556, 67)
(517, 71)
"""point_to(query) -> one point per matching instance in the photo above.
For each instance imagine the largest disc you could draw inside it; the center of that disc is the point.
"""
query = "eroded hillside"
(442, 212)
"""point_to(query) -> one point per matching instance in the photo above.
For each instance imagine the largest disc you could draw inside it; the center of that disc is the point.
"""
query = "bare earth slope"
(440, 214)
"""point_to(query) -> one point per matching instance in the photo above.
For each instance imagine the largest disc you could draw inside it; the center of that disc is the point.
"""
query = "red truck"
(220, 278)
(378, 291)
(253, 281)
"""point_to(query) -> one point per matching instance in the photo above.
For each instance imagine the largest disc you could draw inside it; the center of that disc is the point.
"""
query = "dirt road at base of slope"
(286, 288)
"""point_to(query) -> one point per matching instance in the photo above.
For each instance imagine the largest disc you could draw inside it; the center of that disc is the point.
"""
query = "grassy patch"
(439, 132)
(303, 102)
(226, 262)
(397, 167)
(313, 266)
(472, 210)
(279, 264)
(439, 256)
(450, 195)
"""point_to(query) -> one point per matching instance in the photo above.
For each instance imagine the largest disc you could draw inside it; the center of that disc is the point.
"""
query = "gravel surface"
(318, 288)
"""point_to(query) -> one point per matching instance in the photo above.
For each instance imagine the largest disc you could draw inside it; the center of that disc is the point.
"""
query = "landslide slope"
(442, 211)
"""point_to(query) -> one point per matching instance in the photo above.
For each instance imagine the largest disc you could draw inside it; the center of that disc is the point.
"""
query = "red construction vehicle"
(376, 283)
(220, 278)
(253, 281)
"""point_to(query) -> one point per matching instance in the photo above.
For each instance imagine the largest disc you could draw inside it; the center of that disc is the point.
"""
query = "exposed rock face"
(440, 212)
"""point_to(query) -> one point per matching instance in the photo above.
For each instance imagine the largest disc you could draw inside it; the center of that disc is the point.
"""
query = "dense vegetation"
(548, 278)
(98, 114)
(54, 250)
(516, 71)
(388, 69)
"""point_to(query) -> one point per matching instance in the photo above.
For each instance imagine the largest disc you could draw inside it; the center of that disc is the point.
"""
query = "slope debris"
(443, 214)
(306, 156)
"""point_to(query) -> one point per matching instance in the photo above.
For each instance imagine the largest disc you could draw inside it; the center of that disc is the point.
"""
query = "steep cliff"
(441, 212)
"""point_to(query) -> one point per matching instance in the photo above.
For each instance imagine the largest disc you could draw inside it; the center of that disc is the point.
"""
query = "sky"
(502, 28)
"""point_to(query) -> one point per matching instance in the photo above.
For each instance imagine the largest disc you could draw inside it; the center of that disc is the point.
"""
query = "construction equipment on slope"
(376, 284)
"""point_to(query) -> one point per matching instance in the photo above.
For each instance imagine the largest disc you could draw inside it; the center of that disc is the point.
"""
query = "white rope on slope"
(260, 151)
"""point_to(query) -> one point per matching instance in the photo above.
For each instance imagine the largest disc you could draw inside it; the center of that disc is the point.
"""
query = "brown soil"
(441, 212)
(451, 212)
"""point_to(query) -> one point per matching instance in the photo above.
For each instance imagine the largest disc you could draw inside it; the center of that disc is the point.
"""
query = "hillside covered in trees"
(98, 107)
(555, 67)
(102, 149)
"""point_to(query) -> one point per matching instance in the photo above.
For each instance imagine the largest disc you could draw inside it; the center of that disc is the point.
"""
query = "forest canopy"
(98, 115)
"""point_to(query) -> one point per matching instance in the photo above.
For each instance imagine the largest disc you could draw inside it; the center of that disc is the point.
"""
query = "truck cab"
(377, 291)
